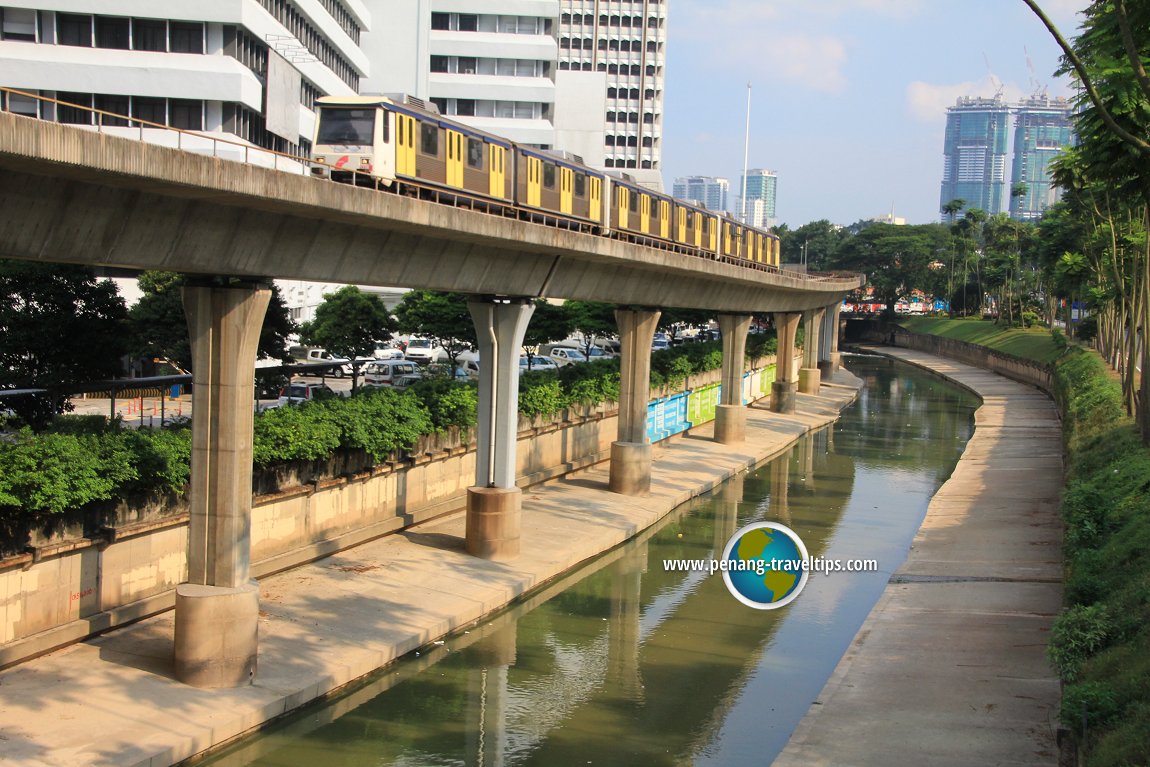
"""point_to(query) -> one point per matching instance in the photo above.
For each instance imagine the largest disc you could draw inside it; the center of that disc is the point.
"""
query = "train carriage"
(376, 137)
(558, 183)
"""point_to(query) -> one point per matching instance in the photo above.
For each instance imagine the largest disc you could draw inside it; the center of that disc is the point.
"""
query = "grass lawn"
(1032, 343)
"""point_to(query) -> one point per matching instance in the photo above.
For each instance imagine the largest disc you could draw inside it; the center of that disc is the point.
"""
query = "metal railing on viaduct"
(83, 195)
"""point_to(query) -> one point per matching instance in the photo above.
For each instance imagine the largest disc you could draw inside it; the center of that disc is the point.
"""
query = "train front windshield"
(348, 127)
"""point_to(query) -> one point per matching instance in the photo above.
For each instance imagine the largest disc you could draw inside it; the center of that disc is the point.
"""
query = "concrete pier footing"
(730, 424)
(783, 396)
(630, 468)
(493, 522)
(810, 380)
(216, 641)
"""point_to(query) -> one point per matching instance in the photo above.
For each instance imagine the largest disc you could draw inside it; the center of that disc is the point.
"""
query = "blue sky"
(849, 97)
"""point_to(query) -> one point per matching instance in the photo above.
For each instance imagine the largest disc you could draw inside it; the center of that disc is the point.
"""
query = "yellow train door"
(713, 233)
(665, 219)
(645, 213)
(455, 159)
(622, 205)
(497, 171)
(566, 189)
(404, 145)
(534, 181)
(596, 193)
(681, 225)
(698, 229)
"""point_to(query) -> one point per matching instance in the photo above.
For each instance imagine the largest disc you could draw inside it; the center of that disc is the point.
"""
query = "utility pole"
(746, 155)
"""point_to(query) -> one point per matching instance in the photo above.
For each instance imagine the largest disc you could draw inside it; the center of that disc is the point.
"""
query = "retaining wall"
(78, 582)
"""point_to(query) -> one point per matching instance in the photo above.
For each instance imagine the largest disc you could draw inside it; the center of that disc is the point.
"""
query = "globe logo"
(763, 565)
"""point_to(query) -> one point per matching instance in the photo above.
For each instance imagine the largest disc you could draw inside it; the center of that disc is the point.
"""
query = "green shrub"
(1095, 700)
(380, 421)
(162, 459)
(294, 433)
(1077, 634)
(52, 473)
(540, 394)
(448, 401)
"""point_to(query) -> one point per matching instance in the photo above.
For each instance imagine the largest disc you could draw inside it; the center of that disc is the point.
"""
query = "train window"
(346, 126)
(429, 139)
(634, 202)
(580, 184)
(475, 153)
(548, 175)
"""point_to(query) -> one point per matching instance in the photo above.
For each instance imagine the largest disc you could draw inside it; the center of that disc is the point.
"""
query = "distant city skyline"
(849, 96)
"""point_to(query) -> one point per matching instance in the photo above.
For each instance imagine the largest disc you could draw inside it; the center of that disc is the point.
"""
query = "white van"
(397, 373)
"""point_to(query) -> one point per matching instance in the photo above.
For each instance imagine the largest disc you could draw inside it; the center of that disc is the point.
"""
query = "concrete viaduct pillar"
(631, 454)
(809, 376)
(217, 609)
(494, 504)
(731, 416)
(829, 359)
(784, 387)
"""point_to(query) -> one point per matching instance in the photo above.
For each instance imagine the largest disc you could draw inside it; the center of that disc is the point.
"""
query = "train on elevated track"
(406, 147)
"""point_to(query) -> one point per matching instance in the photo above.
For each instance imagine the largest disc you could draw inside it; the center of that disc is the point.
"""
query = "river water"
(623, 662)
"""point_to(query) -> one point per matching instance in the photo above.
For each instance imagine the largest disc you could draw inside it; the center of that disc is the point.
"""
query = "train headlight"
(320, 159)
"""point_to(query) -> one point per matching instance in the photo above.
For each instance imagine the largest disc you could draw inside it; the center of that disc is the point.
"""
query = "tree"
(159, 328)
(348, 324)
(814, 243)
(673, 320)
(896, 259)
(550, 322)
(592, 319)
(59, 326)
(441, 317)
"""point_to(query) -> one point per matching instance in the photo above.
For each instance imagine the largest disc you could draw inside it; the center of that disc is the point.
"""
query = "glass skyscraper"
(978, 134)
(1041, 130)
(974, 154)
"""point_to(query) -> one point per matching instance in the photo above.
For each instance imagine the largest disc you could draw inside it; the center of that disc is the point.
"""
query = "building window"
(20, 105)
(438, 63)
(465, 107)
(440, 105)
(74, 29)
(187, 37)
(150, 110)
(149, 35)
(18, 24)
(468, 22)
(468, 65)
(74, 115)
(186, 114)
(115, 105)
(113, 32)
(441, 21)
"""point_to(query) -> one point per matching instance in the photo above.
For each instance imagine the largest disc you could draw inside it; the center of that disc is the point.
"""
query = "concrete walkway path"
(949, 669)
(113, 700)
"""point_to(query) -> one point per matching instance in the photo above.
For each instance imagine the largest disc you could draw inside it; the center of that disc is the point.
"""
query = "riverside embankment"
(113, 700)
(950, 667)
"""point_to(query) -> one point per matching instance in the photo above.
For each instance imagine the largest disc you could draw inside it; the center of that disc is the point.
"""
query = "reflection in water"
(624, 662)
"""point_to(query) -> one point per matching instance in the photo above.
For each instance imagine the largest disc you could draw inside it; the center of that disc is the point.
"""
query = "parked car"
(385, 351)
(298, 392)
(537, 363)
(340, 366)
(566, 355)
(424, 352)
(659, 344)
(390, 373)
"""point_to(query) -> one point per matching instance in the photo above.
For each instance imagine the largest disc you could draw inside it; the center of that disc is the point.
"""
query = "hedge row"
(1100, 644)
(80, 460)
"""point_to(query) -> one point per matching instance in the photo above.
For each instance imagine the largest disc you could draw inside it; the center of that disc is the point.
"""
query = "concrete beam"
(631, 454)
(74, 196)
(217, 609)
(731, 416)
(494, 503)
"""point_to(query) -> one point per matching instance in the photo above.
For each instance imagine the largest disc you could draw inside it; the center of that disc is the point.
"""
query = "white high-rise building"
(620, 44)
(247, 69)
(487, 63)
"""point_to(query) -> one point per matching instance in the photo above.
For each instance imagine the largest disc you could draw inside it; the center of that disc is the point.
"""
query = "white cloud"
(928, 102)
